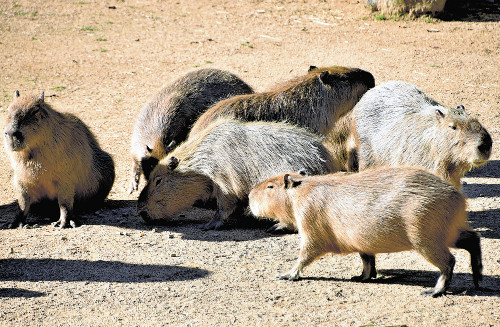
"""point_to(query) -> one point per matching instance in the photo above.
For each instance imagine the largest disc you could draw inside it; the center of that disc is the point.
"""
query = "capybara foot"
(361, 278)
(71, 223)
(279, 229)
(288, 276)
(212, 225)
(15, 224)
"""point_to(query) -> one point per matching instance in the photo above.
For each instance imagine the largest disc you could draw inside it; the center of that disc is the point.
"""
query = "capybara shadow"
(36, 270)
(19, 292)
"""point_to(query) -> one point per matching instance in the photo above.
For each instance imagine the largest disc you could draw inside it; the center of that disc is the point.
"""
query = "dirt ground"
(102, 60)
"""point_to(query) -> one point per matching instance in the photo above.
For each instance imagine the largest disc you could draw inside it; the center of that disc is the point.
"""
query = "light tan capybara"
(166, 119)
(314, 101)
(55, 157)
(397, 124)
(379, 210)
(224, 162)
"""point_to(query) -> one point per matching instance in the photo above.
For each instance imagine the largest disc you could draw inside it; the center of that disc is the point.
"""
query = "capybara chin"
(225, 162)
(379, 210)
(55, 157)
(397, 124)
(165, 121)
(314, 101)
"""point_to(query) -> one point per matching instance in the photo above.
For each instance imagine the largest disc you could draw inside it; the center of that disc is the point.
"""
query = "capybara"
(397, 124)
(55, 157)
(379, 210)
(166, 119)
(314, 101)
(224, 162)
(413, 7)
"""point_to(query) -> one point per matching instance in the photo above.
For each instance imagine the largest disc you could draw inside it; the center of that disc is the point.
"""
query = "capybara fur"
(55, 157)
(397, 124)
(224, 162)
(380, 210)
(412, 7)
(166, 119)
(314, 101)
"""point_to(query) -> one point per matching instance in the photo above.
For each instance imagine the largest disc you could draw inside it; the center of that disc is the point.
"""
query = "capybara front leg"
(307, 255)
(216, 222)
(19, 220)
(369, 270)
(136, 176)
(66, 218)
(469, 240)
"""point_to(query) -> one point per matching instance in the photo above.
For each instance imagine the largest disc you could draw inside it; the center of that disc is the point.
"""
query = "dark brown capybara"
(166, 119)
(314, 101)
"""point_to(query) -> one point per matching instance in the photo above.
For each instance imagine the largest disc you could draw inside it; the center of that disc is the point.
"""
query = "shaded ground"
(103, 60)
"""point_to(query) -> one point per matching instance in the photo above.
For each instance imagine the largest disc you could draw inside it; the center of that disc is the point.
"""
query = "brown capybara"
(55, 157)
(314, 101)
(397, 124)
(224, 162)
(413, 7)
(166, 119)
(379, 210)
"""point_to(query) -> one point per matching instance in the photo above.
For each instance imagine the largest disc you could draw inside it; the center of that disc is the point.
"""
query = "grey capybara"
(413, 7)
(166, 119)
(314, 101)
(380, 210)
(397, 124)
(55, 157)
(224, 162)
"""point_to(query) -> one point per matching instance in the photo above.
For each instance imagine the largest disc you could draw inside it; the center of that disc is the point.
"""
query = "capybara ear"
(312, 68)
(170, 146)
(461, 107)
(439, 114)
(16, 94)
(290, 182)
(149, 149)
(324, 77)
(41, 97)
(302, 172)
(172, 163)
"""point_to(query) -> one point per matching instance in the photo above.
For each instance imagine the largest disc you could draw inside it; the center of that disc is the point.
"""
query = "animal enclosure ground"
(102, 60)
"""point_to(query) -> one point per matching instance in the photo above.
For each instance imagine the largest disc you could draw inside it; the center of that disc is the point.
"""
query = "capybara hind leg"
(306, 256)
(469, 240)
(445, 261)
(369, 270)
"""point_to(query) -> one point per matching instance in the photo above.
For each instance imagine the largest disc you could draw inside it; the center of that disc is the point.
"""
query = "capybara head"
(270, 199)
(25, 120)
(469, 141)
(170, 190)
(332, 76)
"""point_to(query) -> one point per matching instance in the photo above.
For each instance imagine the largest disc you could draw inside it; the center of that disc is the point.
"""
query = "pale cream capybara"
(224, 162)
(314, 101)
(55, 157)
(397, 124)
(379, 210)
(165, 121)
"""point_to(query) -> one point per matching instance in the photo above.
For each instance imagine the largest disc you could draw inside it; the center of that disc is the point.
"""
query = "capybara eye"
(158, 180)
(270, 186)
(453, 126)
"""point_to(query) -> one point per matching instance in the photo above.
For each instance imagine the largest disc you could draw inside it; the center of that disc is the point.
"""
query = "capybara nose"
(486, 144)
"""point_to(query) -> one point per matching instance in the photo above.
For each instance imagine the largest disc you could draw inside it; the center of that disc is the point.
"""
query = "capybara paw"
(288, 276)
(360, 278)
(15, 224)
(434, 293)
(212, 225)
(72, 223)
(279, 229)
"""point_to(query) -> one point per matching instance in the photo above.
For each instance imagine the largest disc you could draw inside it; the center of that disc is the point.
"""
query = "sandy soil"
(102, 60)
